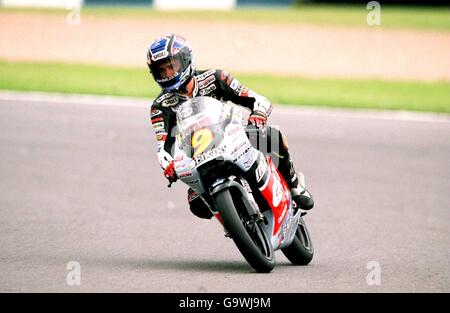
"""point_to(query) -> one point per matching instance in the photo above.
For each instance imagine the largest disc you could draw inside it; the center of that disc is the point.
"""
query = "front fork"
(242, 190)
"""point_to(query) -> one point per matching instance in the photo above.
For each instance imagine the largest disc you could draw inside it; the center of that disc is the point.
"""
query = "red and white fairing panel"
(277, 194)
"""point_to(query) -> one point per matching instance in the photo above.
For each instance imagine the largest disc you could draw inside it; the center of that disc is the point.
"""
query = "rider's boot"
(200, 209)
(302, 197)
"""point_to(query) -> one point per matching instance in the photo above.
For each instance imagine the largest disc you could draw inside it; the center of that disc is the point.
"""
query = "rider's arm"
(235, 92)
(161, 125)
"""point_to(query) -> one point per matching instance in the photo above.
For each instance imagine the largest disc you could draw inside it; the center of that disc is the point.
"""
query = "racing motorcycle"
(213, 155)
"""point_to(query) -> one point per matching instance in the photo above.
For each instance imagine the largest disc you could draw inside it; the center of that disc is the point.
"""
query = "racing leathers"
(220, 85)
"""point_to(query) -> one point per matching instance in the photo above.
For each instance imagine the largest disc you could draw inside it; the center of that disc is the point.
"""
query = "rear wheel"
(248, 236)
(301, 251)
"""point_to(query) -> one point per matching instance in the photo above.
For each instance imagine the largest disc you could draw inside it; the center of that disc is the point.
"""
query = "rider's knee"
(284, 141)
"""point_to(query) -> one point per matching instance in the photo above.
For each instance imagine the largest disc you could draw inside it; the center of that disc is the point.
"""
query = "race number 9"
(201, 140)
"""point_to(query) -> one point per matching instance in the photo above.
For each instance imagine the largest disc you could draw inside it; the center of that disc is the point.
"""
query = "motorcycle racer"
(172, 65)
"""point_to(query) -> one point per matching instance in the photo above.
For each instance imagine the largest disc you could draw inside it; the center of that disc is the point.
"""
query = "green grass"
(426, 18)
(92, 79)
(352, 93)
(76, 78)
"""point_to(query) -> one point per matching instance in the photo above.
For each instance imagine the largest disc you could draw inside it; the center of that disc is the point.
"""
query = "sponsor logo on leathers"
(170, 102)
(205, 74)
(164, 96)
(208, 80)
(207, 90)
(234, 84)
(154, 113)
(158, 125)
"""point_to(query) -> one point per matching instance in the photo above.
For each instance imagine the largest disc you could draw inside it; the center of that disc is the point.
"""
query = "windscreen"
(201, 123)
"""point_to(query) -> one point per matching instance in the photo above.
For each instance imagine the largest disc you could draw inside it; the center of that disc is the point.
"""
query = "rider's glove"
(257, 119)
(169, 172)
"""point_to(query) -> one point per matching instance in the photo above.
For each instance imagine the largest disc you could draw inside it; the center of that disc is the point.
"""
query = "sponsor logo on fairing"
(277, 193)
(192, 196)
(211, 153)
(239, 146)
(191, 182)
(185, 174)
(273, 192)
(180, 163)
(250, 160)
(233, 131)
(286, 227)
(242, 154)
(260, 170)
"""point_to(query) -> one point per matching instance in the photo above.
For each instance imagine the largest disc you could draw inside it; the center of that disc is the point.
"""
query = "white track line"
(280, 109)
(408, 116)
(74, 99)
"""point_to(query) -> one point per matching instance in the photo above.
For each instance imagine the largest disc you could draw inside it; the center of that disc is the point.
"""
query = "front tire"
(250, 238)
(301, 250)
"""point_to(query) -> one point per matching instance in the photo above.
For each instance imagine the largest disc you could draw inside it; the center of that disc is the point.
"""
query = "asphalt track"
(79, 181)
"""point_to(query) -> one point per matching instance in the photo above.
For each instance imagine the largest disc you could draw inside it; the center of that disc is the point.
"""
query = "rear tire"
(301, 251)
(250, 239)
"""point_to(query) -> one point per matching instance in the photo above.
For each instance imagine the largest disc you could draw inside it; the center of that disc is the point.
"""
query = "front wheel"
(248, 236)
(301, 250)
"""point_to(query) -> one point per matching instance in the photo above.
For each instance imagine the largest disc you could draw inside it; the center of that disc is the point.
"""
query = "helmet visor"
(168, 71)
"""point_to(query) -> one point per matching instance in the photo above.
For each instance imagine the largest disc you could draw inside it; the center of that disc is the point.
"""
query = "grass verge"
(136, 82)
